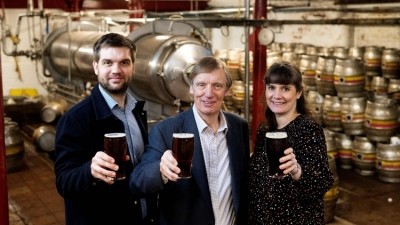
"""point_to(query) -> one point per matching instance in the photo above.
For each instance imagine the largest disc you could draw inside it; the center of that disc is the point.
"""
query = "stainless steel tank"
(166, 52)
(163, 65)
(70, 56)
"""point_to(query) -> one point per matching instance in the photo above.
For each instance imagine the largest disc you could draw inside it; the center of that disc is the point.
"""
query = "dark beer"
(115, 145)
(182, 148)
(275, 143)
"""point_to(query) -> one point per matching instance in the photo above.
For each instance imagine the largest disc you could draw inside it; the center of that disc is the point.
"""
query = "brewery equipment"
(166, 51)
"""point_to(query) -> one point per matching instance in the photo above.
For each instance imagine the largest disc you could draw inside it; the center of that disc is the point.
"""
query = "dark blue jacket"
(80, 133)
(188, 201)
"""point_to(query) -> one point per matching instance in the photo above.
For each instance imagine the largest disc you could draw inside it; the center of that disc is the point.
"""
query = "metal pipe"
(247, 63)
(277, 8)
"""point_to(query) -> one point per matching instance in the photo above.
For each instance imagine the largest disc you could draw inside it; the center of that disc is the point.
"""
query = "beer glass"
(182, 148)
(275, 143)
(115, 145)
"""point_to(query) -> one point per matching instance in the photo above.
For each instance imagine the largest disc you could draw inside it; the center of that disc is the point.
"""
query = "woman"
(297, 198)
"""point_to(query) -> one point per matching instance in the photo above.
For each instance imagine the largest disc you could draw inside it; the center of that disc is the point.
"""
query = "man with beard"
(84, 173)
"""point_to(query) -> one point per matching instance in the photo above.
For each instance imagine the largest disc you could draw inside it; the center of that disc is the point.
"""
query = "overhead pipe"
(259, 69)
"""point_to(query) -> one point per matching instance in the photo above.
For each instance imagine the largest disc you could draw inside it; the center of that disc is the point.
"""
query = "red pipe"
(4, 220)
(259, 69)
(135, 5)
(74, 5)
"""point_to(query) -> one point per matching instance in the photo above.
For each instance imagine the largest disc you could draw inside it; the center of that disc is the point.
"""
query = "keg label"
(381, 124)
(349, 80)
(366, 157)
(355, 117)
(345, 153)
(388, 165)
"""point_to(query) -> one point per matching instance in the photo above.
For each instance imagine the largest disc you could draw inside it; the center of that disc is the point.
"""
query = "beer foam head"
(183, 135)
(276, 135)
(115, 135)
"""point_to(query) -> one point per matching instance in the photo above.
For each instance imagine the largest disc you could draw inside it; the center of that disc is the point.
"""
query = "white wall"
(29, 75)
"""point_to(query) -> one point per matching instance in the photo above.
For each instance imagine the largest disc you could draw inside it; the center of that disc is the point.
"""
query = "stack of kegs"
(235, 61)
(353, 92)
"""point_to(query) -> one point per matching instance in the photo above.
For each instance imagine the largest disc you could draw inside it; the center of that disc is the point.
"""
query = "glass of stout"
(275, 145)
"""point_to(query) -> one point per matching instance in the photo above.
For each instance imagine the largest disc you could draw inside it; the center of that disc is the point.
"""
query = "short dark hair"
(113, 40)
(208, 64)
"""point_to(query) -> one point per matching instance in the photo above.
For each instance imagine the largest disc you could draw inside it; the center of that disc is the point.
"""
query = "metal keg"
(353, 115)
(287, 47)
(228, 103)
(315, 100)
(368, 83)
(311, 50)
(44, 137)
(340, 52)
(300, 48)
(390, 64)
(372, 60)
(307, 68)
(379, 86)
(331, 196)
(388, 162)
(349, 78)
(273, 57)
(233, 62)
(331, 115)
(242, 69)
(344, 146)
(52, 111)
(238, 94)
(325, 51)
(394, 89)
(381, 119)
(356, 52)
(363, 156)
(324, 75)
(275, 46)
(14, 143)
(292, 57)
(330, 143)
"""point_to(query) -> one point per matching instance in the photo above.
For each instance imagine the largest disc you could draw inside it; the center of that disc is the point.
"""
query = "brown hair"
(113, 40)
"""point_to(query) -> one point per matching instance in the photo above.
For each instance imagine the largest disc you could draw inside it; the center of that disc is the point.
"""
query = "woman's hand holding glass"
(289, 164)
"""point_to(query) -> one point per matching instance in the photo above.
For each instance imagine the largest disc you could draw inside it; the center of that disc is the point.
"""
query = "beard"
(111, 90)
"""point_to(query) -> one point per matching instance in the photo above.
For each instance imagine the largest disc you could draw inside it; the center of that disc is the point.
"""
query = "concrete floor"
(33, 199)
(367, 199)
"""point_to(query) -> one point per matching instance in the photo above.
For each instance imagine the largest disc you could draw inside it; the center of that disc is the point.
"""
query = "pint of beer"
(115, 145)
(182, 148)
(275, 145)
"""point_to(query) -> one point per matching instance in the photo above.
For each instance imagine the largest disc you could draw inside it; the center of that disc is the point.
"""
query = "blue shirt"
(132, 130)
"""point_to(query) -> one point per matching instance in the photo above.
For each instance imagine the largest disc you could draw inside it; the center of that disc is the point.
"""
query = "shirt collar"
(201, 125)
(112, 103)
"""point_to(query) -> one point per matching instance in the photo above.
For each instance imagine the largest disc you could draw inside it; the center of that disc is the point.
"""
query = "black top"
(286, 201)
